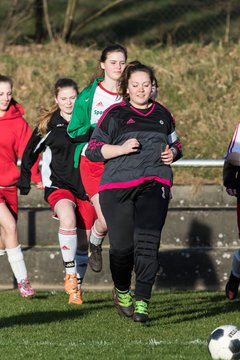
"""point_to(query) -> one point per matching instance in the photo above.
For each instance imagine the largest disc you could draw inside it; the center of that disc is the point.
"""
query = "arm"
(79, 126)
(24, 138)
(173, 150)
(230, 181)
(112, 151)
(30, 158)
(100, 147)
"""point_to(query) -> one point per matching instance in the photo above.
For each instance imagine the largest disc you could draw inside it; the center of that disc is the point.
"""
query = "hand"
(40, 186)
(130, 146)
(231, 192)
(167, 156)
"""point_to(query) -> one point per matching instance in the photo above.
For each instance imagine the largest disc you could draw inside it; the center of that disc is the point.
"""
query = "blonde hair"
(44, 118)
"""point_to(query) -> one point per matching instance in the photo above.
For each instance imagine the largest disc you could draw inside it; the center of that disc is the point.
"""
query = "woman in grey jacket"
(137, 141)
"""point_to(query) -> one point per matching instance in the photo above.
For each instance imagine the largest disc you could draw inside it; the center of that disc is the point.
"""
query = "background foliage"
(192, 45)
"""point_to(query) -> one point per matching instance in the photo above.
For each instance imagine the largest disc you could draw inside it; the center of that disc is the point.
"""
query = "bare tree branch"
(47, 21)
(96, 15)
(68, 19)
(17, 14)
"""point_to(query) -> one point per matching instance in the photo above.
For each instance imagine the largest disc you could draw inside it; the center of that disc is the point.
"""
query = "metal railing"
(185, 163)
(199, 163)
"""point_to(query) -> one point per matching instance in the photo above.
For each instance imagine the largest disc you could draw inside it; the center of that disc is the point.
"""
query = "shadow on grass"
(47, 317)
(187, 308)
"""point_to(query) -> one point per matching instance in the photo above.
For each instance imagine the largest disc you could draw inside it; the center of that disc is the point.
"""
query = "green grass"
(46, 327)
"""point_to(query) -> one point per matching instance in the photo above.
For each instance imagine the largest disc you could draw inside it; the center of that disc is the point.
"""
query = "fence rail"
(199, 163)
(185, 163)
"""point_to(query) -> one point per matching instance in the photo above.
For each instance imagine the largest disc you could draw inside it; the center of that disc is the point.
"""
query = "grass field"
(46, 327)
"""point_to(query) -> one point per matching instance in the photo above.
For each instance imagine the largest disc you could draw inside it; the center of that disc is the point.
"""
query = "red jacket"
(14, 135)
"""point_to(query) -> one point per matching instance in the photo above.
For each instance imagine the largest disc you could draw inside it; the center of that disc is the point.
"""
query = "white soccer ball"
(224, 343)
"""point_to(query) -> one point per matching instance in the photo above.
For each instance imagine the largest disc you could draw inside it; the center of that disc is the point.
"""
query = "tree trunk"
(68, 20)
(38, 13)
(47, 21)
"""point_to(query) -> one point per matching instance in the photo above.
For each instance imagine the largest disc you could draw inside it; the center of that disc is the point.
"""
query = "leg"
(232, 285)
(234, 279)
(9, 242)
(91, 174)
(67, 234)
(118, 211)
(86, 216)
(98, 232)
(151, 207)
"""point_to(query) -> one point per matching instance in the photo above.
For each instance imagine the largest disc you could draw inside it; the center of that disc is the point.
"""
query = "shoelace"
(125, 299)
(25, 284)
(141, 307)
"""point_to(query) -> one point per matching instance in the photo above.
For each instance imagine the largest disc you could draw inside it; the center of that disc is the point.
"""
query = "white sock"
(236, 264)
(15, 258)
(82, 263)
(95, 237)
(68, 244)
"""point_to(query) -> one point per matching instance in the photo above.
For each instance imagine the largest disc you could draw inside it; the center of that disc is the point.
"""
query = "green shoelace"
(124, 298)
(141, 307)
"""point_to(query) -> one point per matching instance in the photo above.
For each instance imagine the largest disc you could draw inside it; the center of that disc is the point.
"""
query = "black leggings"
(135, 217)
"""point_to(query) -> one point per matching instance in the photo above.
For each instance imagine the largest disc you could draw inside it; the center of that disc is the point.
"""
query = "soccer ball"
(224, 343)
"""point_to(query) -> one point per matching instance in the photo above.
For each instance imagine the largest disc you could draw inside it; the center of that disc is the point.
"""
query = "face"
(139, 89)
(5, 95)
(65, 99)
(114, 65)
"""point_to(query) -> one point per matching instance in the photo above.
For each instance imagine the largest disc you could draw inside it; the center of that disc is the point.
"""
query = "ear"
(127, 91)
(56, 100)
(102, 65)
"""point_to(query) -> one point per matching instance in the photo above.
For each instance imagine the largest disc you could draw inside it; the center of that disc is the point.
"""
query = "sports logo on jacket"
(131, 121)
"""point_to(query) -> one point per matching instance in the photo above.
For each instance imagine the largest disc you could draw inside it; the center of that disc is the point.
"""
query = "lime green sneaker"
(141, 311)
(123, 302)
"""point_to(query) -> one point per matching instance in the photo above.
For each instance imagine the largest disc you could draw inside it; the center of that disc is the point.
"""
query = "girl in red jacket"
(14, 135)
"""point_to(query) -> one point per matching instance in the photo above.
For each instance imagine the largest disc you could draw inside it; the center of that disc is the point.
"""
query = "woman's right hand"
(39, 186)
(130, 146)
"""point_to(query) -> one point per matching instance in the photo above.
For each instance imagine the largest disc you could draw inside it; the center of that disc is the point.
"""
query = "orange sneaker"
(70, 285)
(76, 298)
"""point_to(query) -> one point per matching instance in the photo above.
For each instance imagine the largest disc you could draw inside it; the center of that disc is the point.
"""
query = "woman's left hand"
(167, 156)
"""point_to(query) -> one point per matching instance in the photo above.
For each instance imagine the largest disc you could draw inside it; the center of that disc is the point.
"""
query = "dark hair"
(7, 79)
(131, 68)
(107, 50)
(46, 114)
(113, 48)
(63, 83)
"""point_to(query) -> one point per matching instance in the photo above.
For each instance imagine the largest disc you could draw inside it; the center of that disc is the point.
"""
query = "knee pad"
(147, 242)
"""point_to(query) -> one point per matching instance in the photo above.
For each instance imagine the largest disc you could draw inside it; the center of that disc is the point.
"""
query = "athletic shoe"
(123, 302)
(76, 298)
(25, 288)
(232, 287)
(141, 311)
(95, 257)
(70, 285)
